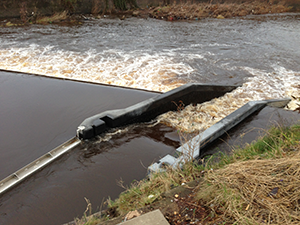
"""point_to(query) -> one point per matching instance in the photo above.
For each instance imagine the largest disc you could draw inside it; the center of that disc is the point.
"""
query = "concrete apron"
(151, 218)
(196, 147)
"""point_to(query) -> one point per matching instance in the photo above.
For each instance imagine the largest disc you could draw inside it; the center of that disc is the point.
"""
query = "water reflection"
(111, 140)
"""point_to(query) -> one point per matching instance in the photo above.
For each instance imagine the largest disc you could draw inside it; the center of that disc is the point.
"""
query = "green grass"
(243, 180)
(272, 145)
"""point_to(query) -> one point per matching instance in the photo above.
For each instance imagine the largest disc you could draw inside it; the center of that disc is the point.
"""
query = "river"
(258, 53)
(160, 55)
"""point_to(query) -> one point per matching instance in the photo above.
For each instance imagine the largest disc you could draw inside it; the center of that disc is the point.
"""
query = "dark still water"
(260, 53)
(40, 113)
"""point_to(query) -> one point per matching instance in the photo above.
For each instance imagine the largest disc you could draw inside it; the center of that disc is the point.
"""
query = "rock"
(220, 17)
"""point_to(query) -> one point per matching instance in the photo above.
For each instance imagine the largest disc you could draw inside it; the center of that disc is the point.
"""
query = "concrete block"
(191, 149)
(151, 218)
(167, 160)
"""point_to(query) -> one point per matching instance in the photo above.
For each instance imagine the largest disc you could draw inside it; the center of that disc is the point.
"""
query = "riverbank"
(171, 12)
(206, 10)
(257, 184)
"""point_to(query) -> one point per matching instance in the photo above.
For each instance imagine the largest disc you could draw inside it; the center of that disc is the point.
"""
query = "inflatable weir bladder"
(143, 112)
(150, 108)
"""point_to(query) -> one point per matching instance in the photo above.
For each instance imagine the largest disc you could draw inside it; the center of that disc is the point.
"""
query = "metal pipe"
(36, 165)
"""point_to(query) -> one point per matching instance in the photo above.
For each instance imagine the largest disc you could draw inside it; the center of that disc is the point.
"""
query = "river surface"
(160, 55)
(259, 53)
(40, 113)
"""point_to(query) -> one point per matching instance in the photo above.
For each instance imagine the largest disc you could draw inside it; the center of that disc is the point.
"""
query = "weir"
(42, 113)
(39, 113)
(143, 112)
(192, 149)
(150, 108)
(20, 175)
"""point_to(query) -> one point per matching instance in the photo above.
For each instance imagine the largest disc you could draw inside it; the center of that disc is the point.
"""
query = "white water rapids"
(160, 56)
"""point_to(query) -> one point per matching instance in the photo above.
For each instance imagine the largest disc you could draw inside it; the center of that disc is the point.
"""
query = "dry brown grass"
(257, 191)
(141, 193)
(97, 6)
(224, 10)
(258, 184)
(51, 19)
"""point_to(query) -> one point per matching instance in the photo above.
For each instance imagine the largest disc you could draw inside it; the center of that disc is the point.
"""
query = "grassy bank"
(254, 185)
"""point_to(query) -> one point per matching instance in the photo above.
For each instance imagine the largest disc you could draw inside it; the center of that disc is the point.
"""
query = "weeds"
(88, 218)
(97, 5)
(258, 184)
(147, 191)
(69, 5)
(56, 17)
(254, 185)
(188, 10)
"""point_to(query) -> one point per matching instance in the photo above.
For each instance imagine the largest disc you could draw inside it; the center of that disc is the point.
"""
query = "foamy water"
(263, 85)
(157, 72)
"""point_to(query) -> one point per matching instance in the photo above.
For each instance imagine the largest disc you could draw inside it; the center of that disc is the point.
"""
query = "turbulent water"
(260, 53)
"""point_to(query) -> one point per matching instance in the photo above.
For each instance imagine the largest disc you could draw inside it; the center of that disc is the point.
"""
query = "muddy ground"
(179, 206)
